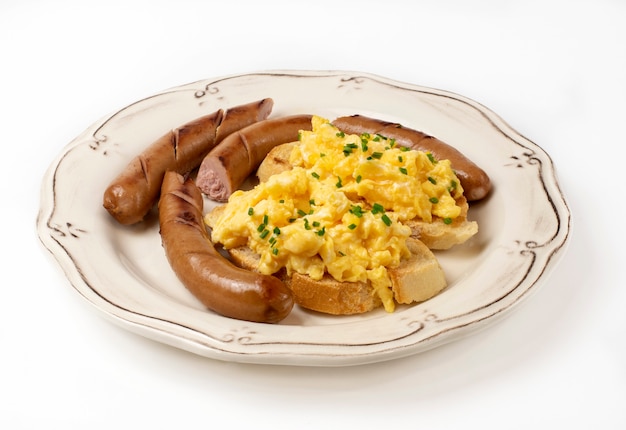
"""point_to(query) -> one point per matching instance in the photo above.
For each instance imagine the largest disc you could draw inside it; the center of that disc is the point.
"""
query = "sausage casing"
(221, 286)
(132, 194)
(475, 181)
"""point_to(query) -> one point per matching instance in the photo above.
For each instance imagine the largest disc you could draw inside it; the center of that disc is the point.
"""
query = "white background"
(554, 70)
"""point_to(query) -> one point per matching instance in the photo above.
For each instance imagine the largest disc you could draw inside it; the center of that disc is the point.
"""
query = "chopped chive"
(386, 220)
(356, 211)
(403, 171)
(358, 179)
(264, 233)
(447, 220)
(340, 134)
(265, 219)
(431, 157)
(301, 212)
(316, 223)
(432, 180)
(315, 175)
(349, 148)
(250, 211)
(377, 155)
(377, 208)
(261, 227)
(312, 202)
(275, 251)
(276, 231)
(433, 200)
(400, 159)
(321, 232)
(338, 184)
(352, 226)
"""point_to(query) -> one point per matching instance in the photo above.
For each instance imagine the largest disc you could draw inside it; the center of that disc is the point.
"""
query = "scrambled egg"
(339, 210)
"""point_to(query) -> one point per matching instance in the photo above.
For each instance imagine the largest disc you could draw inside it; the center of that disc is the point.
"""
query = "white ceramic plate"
(123, 272)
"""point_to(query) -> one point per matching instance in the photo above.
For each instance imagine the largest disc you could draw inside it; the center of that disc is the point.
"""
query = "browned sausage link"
(228, 165)
(475, 181)
(132, 194)
(222, 287)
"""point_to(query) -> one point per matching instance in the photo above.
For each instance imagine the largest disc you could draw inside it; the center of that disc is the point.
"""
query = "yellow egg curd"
(339, 209)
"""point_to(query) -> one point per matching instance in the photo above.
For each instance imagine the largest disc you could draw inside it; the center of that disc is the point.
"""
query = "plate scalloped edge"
(309, 339)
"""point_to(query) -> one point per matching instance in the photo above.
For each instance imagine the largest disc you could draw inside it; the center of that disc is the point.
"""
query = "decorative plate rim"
(79, 236)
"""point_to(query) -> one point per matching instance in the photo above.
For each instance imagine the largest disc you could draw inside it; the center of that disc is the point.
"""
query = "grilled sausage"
(475, 181)
(222, 287)
(228, 165)
(132, 194)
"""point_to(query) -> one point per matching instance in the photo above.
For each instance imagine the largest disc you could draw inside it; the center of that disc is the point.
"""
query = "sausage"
(228, 165)
(132, 194)
(220, 285)
(475, 181)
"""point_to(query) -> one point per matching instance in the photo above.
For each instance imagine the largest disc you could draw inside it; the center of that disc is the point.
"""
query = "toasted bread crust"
(332, 297)
(439, 236)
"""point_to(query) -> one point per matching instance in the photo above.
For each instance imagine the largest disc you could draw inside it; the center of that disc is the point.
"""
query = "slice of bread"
(416, 279)
(436, 234)
(276, 161)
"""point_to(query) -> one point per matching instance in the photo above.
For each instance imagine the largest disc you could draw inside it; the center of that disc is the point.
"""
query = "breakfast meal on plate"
(332, 218)
(132, 194)
(344, 218)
